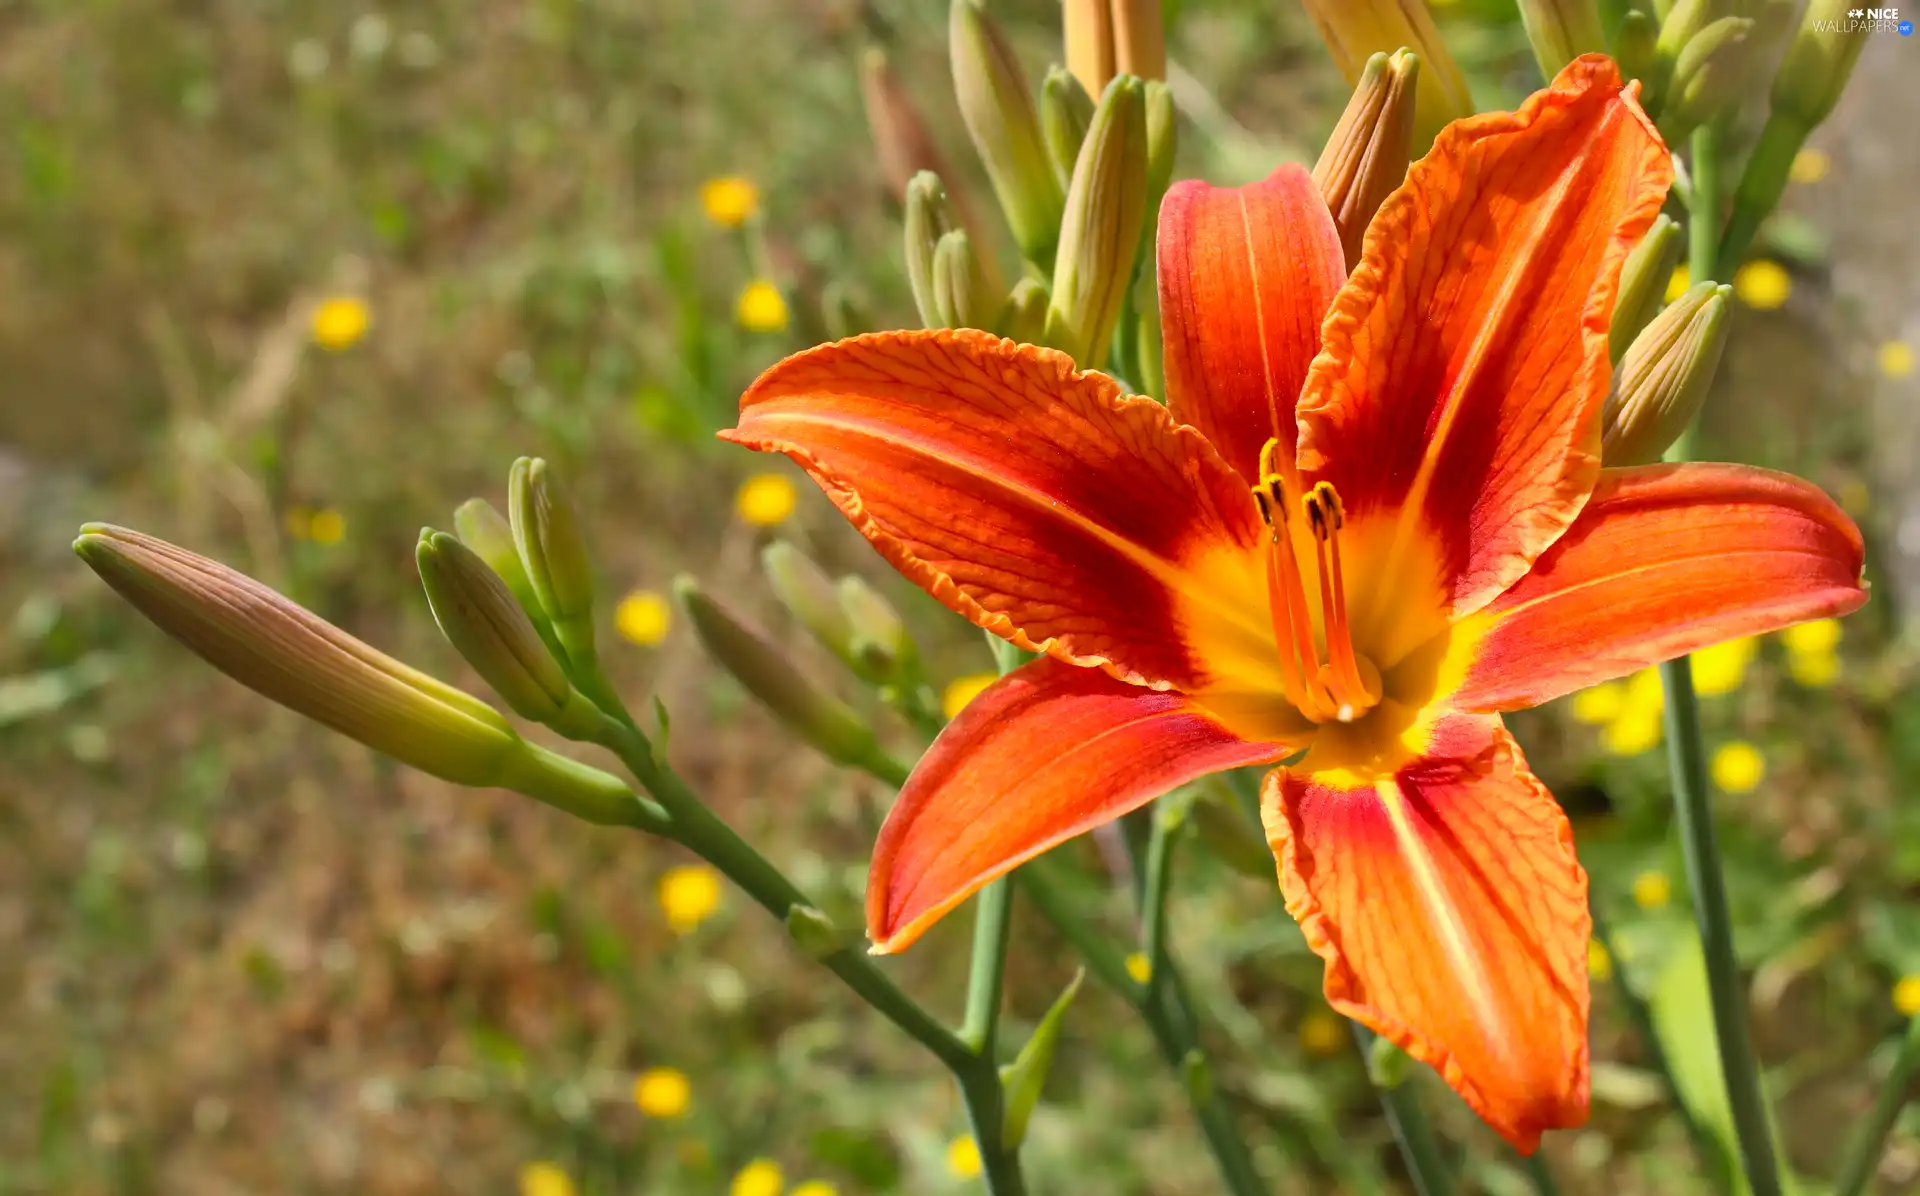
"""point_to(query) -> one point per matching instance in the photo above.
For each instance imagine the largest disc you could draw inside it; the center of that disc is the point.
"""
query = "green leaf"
(1027, 1074)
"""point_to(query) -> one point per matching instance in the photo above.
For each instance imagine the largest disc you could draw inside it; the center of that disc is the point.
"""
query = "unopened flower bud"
(1086, 26)
(546, 531)
(810, 595)
(928, 218)
(1707, 76)
(883, 650)
(1367, 156)
(1024, 318)
(1162, 143)
(1355, 30)
(959, 284)
(900, 136)
(1818, 62)
(1665, 376)
(1680, 23)
(1561, 31)
(1106, 208)
(1148, 345)
(998, 109)
(1643, 282)
(1139, 39)
(1634, 45)
(289, 655)
(766, 673)
(1065, 112)
(482, 620)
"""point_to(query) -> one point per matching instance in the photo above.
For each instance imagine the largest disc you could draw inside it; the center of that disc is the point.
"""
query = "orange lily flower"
(1366, 553)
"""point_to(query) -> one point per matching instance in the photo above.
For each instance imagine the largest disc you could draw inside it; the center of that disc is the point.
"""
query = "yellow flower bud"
(997, 108)
(1367, 156)
(288, 654)
(766, 673)
(1643, 282)
(1561, 31)
(1355, 30)
(546, 532)
(481, 619)
(1665, 376)
(1100, 235)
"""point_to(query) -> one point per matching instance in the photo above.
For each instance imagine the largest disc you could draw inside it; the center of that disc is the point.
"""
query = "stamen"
(1350, 691)
(1287, 599)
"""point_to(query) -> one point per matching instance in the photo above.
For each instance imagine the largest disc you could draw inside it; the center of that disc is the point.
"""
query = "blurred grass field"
(240, 955)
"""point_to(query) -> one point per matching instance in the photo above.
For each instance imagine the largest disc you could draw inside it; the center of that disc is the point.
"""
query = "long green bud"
(1106, 209)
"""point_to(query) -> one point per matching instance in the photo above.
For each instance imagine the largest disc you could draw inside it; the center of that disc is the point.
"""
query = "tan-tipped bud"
(810, 596)
(997, 107)
(1635, 42)
(1561, 31)
(1643, 282)
(928, 218)
(883, 650)
(1355, 30)
(959, 285)
(1665, 376)
(765, 672)
(1708, 76)
(1024, 318)
(1100, 235)
(1139, 39)
(1367, 156)
(1086, 26)
(485, 623)
(288, 654)
(900, 137)
(1065, 112)
(1818, 62)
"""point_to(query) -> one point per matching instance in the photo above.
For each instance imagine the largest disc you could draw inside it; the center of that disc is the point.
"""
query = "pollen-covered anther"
(1350, 681)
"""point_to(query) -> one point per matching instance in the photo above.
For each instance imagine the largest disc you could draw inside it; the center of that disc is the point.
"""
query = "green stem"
(1863, 1157)
(1419, 1149)
(1172, 1034)
(1693, 807)
(991, 924)
(1706, 1151)
(1153, 902)
(1540, 1174)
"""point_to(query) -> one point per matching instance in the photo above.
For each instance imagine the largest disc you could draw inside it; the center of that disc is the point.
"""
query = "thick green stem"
(1419, 1149)
(1692, 801)
(1153, 903)
(1863, 1156)
(991, 923)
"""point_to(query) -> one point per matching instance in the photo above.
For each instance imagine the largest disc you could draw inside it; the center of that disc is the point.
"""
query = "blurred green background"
(283, 280)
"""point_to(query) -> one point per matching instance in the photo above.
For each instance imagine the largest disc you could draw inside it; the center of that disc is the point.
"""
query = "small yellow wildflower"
(1645, 692)
(1652, 890)
(1814, 635)
(662, 1092)
(1599, 704)
(963, 690)
(1599, 961)
(339, 322)
(729, 201)
(761, 307)
(545, 1179)
(689, 893)
(1677, 285)
(1896, 359)
(1139, 967)
(1906, 994)
(1720, 668)
(963, 1157)
(1809, 166)
(1815, 670)
(1321, 1033)
(1738, 767)
(1634, 733)
(761, 1177)
(815, 1187)
(766, 499)
(1762, 285)
(643, 617)
(328, 526)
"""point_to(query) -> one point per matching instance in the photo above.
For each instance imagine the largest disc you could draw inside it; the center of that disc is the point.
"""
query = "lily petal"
(1452, 914)
(1036, 501)
(1246, 277)
(1047, 752)
(1464, 364)
(1664, 560)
